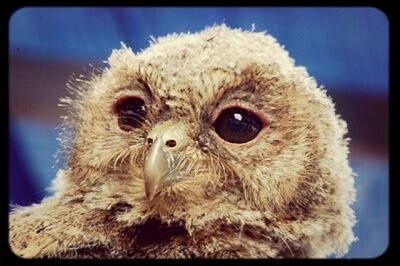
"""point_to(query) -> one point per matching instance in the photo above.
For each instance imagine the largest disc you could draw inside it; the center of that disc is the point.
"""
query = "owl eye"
(237, 125)
(131, 112)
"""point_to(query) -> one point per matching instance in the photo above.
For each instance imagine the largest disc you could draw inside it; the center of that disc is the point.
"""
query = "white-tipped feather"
(286, 194)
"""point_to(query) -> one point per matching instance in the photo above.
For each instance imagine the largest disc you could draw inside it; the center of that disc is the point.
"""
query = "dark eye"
(237, 125)
(131, 112)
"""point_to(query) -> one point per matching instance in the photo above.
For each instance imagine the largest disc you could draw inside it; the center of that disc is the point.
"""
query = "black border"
(389, 8)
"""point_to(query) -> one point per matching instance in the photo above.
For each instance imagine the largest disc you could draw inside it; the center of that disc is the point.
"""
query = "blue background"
(345, 49)
(331, 35)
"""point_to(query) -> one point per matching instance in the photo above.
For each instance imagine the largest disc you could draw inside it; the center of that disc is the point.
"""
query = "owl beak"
(168, 139)
(156, 167)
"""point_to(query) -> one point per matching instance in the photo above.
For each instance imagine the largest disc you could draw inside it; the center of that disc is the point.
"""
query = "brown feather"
(286, 194)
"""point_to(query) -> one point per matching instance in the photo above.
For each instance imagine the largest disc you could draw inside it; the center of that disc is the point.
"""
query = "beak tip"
(150, 192)
(149, 197)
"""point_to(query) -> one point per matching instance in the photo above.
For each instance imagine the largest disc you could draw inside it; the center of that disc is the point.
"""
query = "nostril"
(150, 141)
(170, 143)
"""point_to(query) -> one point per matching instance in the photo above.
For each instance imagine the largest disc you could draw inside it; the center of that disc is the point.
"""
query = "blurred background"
(345, 49)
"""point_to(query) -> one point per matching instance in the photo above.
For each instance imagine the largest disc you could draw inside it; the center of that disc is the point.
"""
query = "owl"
(204, 145)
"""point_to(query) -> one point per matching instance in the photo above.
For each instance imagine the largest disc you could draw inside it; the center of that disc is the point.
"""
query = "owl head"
(211, 144)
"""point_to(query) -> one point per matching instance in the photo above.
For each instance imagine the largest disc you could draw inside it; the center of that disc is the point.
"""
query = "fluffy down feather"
(286, 194)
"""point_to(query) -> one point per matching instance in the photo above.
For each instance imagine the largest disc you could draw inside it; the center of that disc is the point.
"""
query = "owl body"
(157, 169)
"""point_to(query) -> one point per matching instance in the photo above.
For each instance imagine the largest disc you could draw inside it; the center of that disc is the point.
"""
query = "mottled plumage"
(286, 193)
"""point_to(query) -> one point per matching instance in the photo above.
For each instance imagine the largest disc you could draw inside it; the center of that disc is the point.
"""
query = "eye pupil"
(131, 113)
(237, 125)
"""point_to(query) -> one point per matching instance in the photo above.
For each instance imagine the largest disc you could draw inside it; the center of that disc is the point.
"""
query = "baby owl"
(205, 145)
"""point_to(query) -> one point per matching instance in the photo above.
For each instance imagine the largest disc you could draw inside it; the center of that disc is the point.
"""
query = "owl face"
(208, 130)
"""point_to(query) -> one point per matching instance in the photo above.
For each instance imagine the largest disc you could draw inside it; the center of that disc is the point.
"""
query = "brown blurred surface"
(36, 86)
